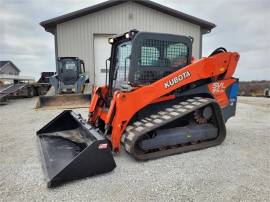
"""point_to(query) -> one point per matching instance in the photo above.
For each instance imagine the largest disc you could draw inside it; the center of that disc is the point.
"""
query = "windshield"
(70, 65)
(123, 52)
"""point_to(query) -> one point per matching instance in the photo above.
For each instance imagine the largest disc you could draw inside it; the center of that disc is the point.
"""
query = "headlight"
(127, 35)
(111, 40)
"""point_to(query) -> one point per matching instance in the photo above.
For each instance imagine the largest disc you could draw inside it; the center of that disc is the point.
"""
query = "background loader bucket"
(71, 149)
(68, 101)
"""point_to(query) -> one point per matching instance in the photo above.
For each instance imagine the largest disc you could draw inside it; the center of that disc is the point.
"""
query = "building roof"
(4, 63)
(50, 24)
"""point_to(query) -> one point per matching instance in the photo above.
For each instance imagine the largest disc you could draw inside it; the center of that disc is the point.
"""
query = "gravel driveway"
(237, 170)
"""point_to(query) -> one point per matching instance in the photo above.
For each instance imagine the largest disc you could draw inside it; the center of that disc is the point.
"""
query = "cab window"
(162, 53)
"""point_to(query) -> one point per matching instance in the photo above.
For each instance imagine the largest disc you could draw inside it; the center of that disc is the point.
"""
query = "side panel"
(228, 96)
(218, 90)
(232, 91)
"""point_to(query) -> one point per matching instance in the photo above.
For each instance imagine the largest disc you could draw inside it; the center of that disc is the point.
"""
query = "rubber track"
(135, 131)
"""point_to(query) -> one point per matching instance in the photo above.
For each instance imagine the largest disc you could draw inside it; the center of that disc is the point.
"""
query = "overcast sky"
(242, 25)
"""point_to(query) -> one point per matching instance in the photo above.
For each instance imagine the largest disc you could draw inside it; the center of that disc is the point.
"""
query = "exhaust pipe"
(72, 149)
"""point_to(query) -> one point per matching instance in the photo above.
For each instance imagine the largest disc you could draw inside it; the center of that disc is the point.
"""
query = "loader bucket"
(68, 101)
(72, 149)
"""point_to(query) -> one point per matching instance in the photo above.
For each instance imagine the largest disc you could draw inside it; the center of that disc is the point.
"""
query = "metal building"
(84, 33)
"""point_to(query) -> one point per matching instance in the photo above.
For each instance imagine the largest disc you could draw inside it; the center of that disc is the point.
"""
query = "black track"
(135, 132)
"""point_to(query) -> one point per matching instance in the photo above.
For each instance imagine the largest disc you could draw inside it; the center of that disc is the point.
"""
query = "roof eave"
(15, 66)
(51, 29)
(206, 30)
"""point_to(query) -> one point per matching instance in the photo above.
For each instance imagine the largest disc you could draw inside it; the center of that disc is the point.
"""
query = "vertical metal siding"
(75, 37)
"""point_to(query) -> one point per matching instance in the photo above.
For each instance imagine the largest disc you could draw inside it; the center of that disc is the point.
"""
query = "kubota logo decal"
(177, 79)
(218, 87)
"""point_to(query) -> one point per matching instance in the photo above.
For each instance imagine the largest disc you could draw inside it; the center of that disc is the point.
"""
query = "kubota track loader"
(156, 101)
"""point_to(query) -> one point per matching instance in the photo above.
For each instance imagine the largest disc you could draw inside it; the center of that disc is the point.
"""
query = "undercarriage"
(192, 124)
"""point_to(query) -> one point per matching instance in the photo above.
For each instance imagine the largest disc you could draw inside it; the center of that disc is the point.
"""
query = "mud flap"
(69, 101)
(72, 149)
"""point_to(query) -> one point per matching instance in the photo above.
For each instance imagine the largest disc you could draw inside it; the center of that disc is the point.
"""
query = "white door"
(102, 51)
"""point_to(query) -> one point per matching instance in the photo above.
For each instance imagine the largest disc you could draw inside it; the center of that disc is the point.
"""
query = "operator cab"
(141, 58)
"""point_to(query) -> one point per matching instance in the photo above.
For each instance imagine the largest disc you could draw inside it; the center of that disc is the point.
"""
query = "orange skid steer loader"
(156, 101)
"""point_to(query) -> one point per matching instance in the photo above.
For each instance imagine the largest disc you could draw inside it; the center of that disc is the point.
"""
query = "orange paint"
(218, 90)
